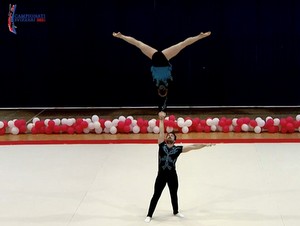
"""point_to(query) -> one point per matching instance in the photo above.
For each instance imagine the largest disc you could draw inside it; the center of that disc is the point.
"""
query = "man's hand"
(161, 115)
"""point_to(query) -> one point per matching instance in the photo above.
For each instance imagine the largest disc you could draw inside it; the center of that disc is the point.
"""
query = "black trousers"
(162, 179)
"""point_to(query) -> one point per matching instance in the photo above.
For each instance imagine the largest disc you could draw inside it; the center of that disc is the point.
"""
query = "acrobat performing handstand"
(161, 67)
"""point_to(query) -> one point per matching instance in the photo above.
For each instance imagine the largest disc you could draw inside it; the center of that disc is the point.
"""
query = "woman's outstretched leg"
(175, 49)
(146, 49)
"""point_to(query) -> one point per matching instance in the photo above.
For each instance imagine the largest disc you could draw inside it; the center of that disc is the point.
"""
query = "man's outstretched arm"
(195, 147)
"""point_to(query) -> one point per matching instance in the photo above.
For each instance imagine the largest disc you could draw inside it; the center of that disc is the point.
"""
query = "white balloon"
(152, 123)
(46, 121)
(130, 117)
(180, 119)
(35, 119)
(30, 126)
(86, 130)
(188, 122)
(209, 122)
(57, 121)
(70, 121)
(213, 128)
(136, 129)
(133, 122)
(150, 129)
(73, 120)
(156, 129)
(276, 121)
(14, 130)
(180, 123)
(95, 118)
(64, 121)
(245, 127)
(97, 125)
(115, 122)
(261, 123)
(257, 129)
(113, 130)
(185, 129)
(91, 126)
(11, 123)
(216, 121)
(122, 118)
(98, 130)
(107, 124)
(169, 129)
(234, 121)
(88, 120)
(268, 117)
(258, 119)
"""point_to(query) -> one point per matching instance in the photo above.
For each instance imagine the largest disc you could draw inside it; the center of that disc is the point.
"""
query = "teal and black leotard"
(161, 70)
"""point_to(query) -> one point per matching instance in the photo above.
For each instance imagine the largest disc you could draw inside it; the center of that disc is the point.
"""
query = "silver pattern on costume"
(168, 161)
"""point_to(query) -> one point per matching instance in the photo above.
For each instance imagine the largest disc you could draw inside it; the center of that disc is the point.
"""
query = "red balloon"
(70, 130)
(121, 125)
(145, 123)
(78, 129)
(203, 122)
(240, 121)
(84, 124)
(51, 123)
(226, 129)
(228, 121)
(195, 121)
(172, 117)
(222, 122)
(283, 122)
(56, 129)
(140, 122)
(199, 128)
(207, 129)
(271, 129)
(39, 124)
(289, 119)
(102, 122)
(34, 130)
(237, 129)
(253, 123)
(144, 129)
(166, 122)
(64, 128)
(269, 123)
(126, 128)
(128, 121)
(2, 131)
(79, 120)
(22, 129)
(290, 127)
(48, 130)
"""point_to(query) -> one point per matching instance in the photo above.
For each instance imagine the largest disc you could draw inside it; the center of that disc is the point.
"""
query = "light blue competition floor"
(111, 185)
